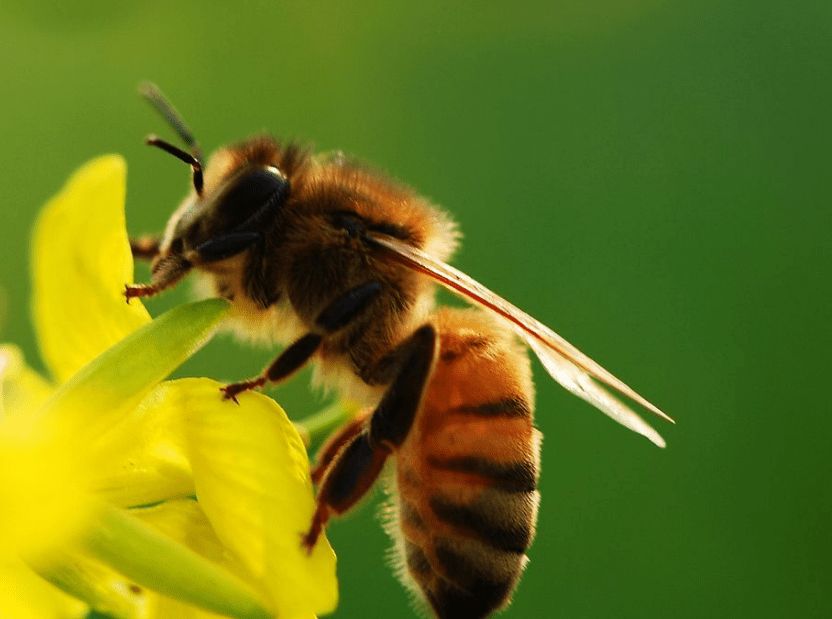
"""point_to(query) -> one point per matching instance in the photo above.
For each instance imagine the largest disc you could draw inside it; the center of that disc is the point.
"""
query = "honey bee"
(339, 264)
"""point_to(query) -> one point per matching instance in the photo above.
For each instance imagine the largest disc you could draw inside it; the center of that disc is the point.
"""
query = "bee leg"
(343, 310)
(224, 246)
(335, 316)
(356, 466)
(145, 247)
(166, 272)
(413, 361)
(289, 361)
(335, 443)
(348, 479)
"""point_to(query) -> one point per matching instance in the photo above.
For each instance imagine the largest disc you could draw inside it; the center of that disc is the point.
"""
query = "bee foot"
(132, 291)
(309, 539)
(230, 392)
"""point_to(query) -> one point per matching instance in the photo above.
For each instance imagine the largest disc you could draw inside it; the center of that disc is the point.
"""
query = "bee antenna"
(160, 103)
(164, 107)
(191, 160)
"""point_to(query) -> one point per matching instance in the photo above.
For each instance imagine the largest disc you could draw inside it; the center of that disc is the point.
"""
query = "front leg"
(167, 271)
(335, 316)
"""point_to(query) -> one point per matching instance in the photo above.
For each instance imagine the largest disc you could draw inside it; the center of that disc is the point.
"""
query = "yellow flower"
(82, 458)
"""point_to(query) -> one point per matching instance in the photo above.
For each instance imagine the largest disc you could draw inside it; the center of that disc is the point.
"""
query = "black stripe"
(451, 602)
(416, 559)
(510, 477)
(479, 521)
(507, 407)
(470, 575)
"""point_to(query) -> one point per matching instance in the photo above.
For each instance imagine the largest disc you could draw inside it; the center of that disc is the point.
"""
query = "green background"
(650, 178)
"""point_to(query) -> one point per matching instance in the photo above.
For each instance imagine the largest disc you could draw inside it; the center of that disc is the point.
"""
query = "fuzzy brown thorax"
(308, 213)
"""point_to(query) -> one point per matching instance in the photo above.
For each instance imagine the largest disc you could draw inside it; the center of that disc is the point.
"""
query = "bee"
(340, 265)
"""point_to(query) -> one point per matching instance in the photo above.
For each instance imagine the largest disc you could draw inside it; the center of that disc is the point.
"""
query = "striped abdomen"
(467, 473)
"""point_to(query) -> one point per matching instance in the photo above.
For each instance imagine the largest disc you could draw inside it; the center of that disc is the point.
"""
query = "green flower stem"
(90, 582)
(150, 559)
(316, 427)
(116, 381)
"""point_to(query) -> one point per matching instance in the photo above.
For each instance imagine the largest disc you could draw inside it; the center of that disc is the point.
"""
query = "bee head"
(238, 208)
(225, 216)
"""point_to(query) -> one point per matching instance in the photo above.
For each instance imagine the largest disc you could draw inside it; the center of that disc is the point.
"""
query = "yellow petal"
(182, 520)
(22, 389)
(81, 261)
(154, 466)
(43, 487)
(24, 595)
(251, 474)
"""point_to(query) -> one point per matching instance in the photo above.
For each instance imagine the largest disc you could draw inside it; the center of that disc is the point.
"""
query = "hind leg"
(346, 481)
(356, 466)
(335, 443)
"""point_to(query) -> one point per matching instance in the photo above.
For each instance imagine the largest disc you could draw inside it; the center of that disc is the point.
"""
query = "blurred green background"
(650, 178)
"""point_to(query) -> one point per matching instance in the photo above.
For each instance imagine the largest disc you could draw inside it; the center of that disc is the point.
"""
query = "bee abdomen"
(474, 580)
(467, 474)
(462, 574)
(479, 522)
(466, 529)
(511, 477)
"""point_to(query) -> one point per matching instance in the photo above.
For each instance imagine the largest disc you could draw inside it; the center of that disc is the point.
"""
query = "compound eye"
(255, 194)
(177, 246)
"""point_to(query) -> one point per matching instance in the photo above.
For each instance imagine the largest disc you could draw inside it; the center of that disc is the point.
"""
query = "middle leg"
(335, 316)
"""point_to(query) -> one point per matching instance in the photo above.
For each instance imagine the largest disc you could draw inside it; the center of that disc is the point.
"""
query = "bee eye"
(177, 246)
(254, 195)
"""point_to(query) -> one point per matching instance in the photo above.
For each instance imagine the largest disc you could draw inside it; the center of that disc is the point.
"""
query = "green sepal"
(107, 388)
(153, 560)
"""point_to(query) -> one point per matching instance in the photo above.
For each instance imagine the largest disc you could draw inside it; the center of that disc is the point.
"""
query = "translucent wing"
(565, 363)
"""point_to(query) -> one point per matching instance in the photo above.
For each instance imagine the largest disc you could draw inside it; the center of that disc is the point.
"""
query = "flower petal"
(43, 489)
(183, 521)
(24, 595)
(81, 261)
(43, 486)
(252, 479)
(154, 466)
(21, 388)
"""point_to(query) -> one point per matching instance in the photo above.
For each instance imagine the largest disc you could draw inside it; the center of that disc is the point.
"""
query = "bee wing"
(565, 363)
